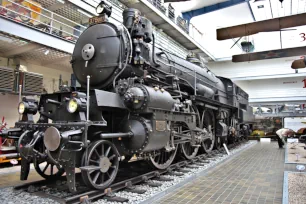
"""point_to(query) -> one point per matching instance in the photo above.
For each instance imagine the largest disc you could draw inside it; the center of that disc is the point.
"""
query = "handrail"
(52, 13)
(49, 25)
(38, 21)
(44, 15)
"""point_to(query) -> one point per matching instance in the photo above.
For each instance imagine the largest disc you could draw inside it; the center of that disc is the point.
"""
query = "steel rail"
(91, 195)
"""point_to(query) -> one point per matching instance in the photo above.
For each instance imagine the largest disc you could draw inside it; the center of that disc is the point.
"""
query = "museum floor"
(255, 176)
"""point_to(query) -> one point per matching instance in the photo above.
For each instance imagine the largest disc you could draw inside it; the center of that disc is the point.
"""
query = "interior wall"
(9, 102)
(277, 89)
(269, 67)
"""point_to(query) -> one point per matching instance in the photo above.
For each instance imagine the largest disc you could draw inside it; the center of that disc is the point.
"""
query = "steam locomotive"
(134, 99)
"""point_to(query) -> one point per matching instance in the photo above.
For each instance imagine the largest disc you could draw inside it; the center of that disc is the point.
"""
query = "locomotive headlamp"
(104, 8)
(72, 105)
(76, 104)
(21, 108)
(27, 107)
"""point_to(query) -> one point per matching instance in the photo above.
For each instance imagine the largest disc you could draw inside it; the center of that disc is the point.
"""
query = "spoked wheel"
(189, 151)
(103, 159)
(208, 122)
(47, 169)
(164, 158)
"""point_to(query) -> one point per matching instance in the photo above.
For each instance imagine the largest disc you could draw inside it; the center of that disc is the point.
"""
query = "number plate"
(161, 125)
(96, 20)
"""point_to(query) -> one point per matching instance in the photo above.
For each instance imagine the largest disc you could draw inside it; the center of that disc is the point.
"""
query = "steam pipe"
(153, 50)
(88, 82)
(115, 135)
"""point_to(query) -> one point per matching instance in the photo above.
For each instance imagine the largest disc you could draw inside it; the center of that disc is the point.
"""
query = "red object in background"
(304, 83)
(0, 145)
(3, 125)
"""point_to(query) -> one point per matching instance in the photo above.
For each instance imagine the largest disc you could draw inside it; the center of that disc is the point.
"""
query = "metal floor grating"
(69, 10)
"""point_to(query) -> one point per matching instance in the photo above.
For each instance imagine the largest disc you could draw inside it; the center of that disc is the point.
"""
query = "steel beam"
(22, 49)
(275, 24)
(207, 9)
(277, 99)
(271, 54)
(292, 114)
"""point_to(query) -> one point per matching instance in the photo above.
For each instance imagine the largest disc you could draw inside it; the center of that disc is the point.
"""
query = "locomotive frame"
(135, 100)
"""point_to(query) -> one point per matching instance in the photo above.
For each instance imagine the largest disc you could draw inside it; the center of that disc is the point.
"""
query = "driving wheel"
(208, 122)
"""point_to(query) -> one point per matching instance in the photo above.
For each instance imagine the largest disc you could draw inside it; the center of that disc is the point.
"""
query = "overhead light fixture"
(46, 52)
(298, 64)
(61, 1)
(84, 13)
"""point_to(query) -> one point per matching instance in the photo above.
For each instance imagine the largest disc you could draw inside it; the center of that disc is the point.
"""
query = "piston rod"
(116, 135)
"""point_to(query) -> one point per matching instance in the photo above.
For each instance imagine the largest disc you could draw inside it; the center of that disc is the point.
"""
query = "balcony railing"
(32, 14)
(169, 12)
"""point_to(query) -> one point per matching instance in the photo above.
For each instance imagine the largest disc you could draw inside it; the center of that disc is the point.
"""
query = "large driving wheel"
(208, 121)
(189, 151)
(103, 158)
(164, 158)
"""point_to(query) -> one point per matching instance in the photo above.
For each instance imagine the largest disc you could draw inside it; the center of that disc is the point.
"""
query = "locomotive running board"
(211, 102)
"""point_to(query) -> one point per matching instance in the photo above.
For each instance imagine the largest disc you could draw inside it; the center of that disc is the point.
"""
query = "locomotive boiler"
(135, 100)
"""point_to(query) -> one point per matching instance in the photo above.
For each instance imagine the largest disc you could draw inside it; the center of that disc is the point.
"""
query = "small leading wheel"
(47, 169)
(103, 158)
(208, 122)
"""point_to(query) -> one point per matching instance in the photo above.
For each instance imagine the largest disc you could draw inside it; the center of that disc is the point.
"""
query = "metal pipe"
(51, 23)
(53, 102)
(9, 156)
(115, 135)
(88, 82)
(20, 88)
(195, 82)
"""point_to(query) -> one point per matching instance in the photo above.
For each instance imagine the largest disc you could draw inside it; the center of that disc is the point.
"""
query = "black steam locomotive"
(134, 100)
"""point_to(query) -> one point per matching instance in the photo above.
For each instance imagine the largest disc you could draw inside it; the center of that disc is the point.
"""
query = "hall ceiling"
(246, 12)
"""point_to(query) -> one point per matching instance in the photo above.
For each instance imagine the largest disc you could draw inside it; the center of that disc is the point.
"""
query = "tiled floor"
(12, 178)
(255, 176)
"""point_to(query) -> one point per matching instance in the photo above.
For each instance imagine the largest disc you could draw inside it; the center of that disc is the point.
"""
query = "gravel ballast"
(9, 195)
(297, 188)
(293, 150)
(139, 198)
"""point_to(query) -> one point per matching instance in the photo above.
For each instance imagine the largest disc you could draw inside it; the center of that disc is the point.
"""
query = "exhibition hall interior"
(153, 101)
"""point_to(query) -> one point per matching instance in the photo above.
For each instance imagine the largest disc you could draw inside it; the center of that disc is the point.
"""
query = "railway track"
(58, 192)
